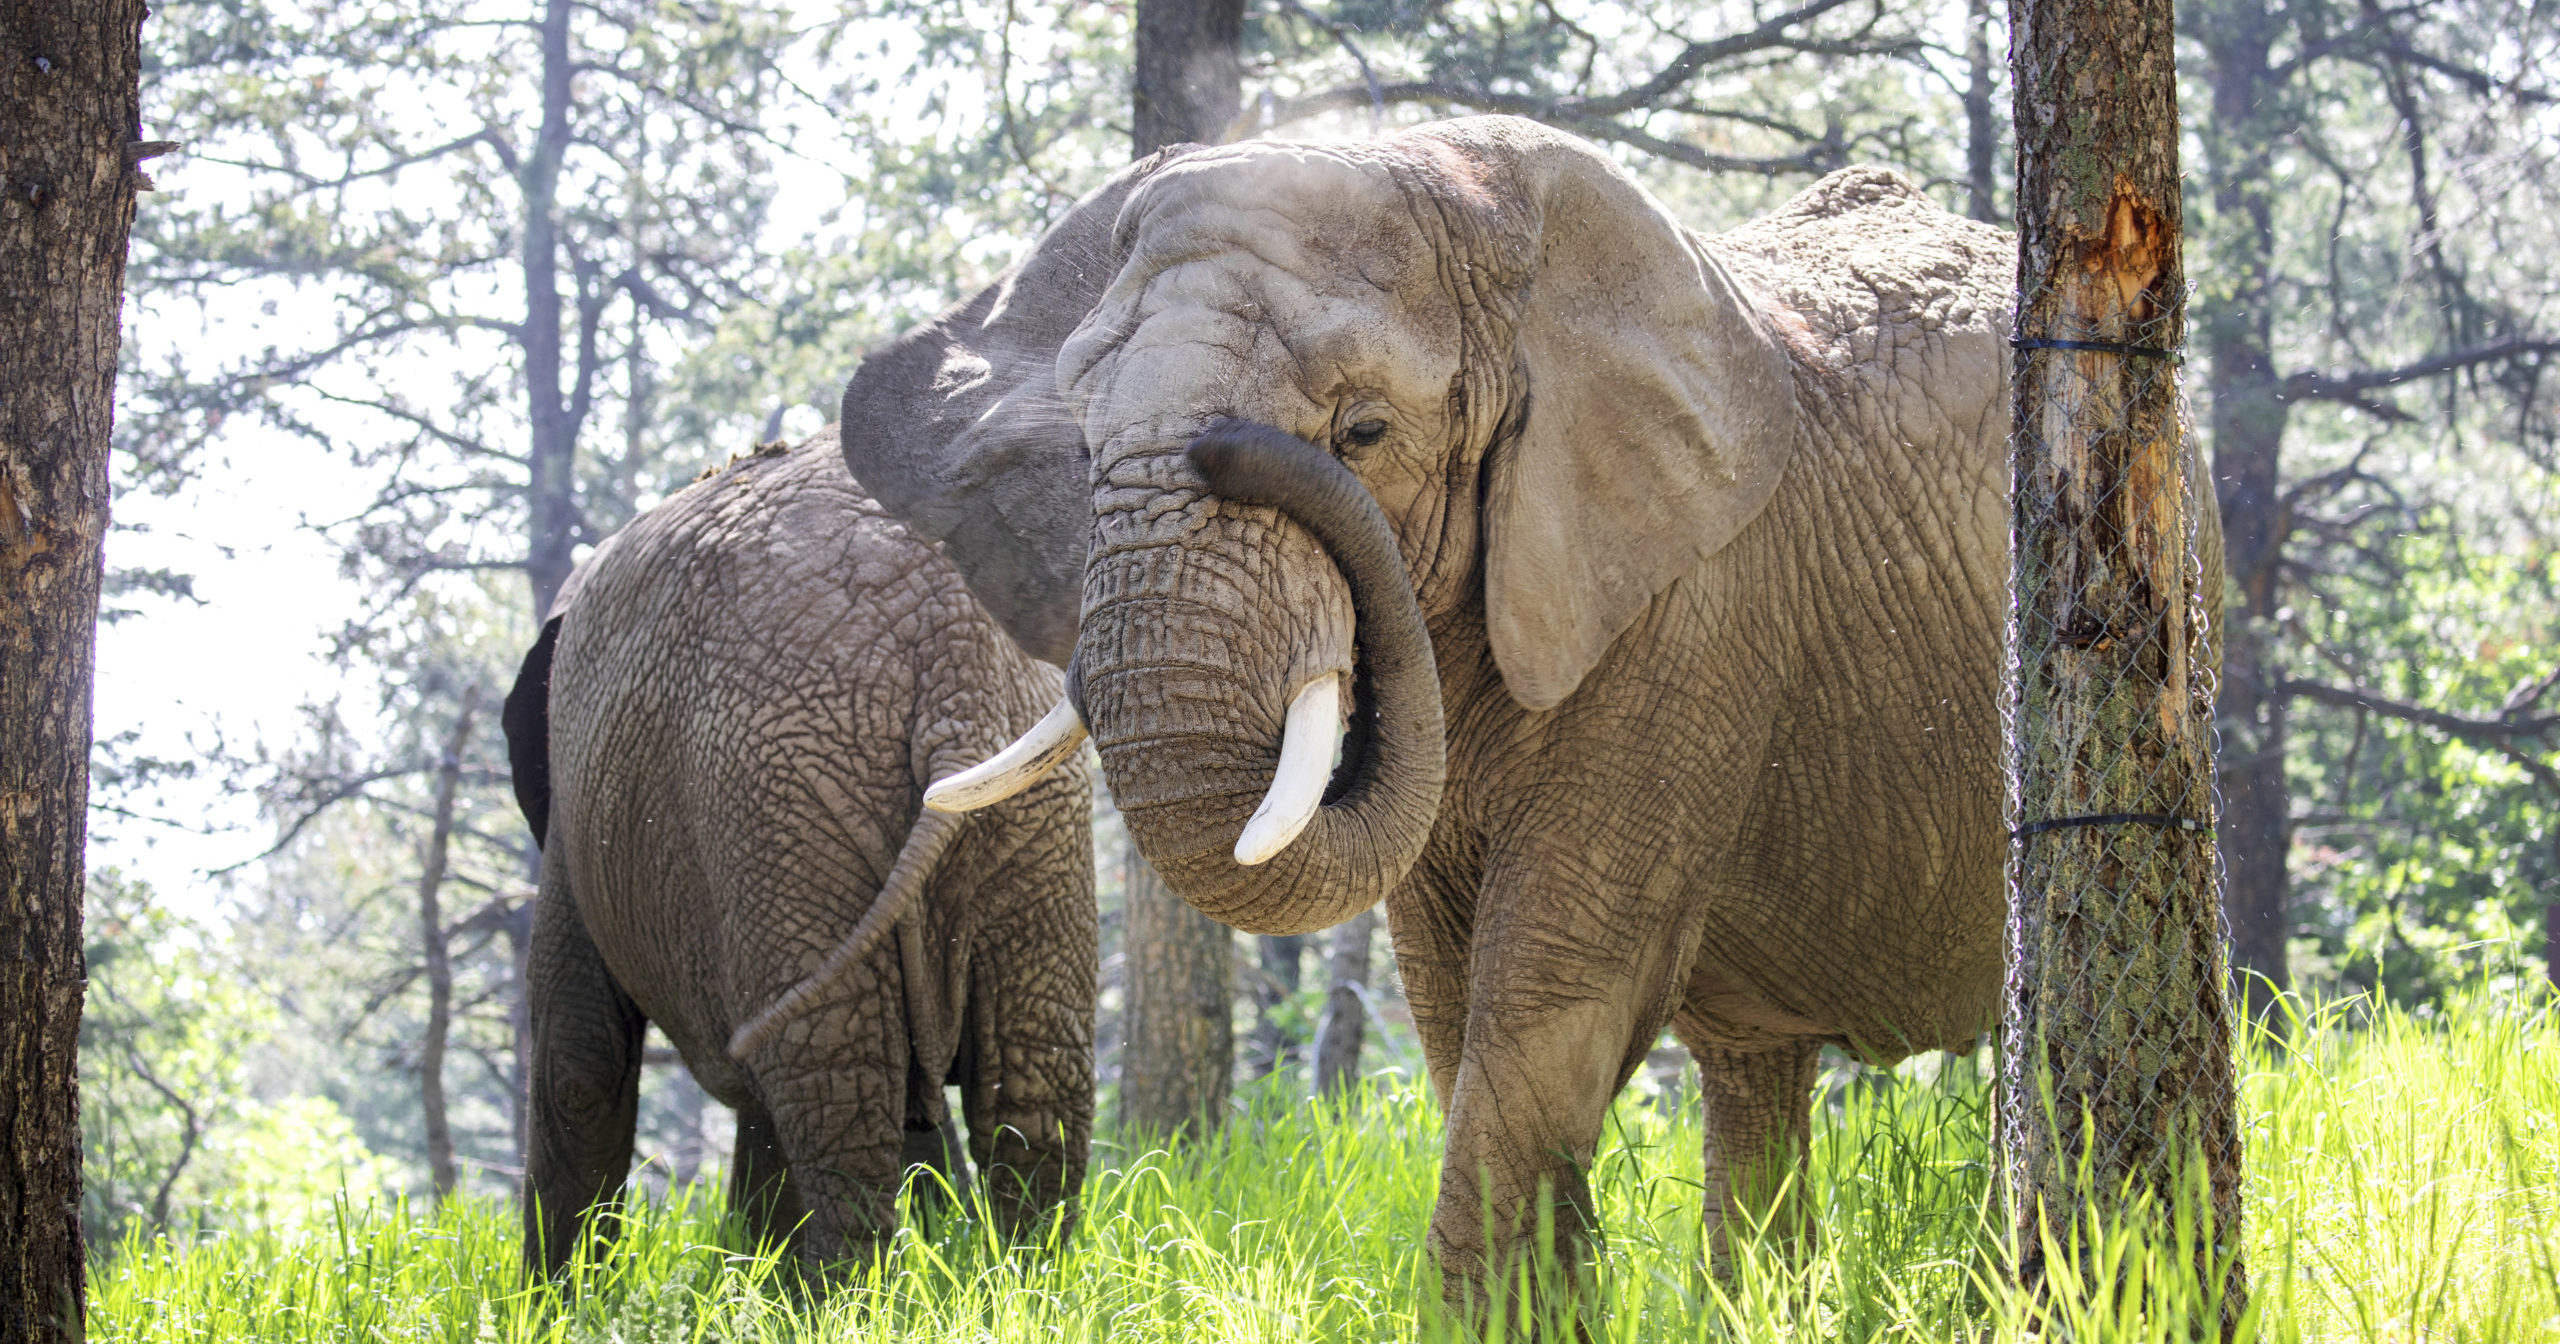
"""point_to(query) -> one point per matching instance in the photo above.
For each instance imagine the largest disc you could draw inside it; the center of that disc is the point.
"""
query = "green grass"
(2404, 1185)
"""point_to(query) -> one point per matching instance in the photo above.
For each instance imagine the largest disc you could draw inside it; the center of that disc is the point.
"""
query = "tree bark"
(1982, 129)
(1282, 958)
(1190, 73)
(1177, 1052)
(2119, 1023)
(434, 945)
(2249, 121)
(70, 127)
(1344, 1028)
(1178, 1042)
(551, 504)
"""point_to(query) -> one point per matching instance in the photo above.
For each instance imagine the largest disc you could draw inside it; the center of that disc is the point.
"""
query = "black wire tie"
(2102, 347)
(2110, 819)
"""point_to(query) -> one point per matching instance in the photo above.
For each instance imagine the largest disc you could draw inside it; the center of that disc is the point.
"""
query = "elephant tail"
(926, 842)
(527, 719)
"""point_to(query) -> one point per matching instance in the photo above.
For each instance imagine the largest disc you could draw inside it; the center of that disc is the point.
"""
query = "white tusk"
(1034, 754)
(1308, 739)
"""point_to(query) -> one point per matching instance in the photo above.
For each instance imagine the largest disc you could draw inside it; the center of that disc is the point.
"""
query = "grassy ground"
(2404, 1185)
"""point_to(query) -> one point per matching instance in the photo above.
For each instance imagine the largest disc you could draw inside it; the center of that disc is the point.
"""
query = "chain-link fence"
(2117, 1092)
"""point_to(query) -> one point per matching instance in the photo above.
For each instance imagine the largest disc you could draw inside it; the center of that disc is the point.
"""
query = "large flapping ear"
(956, 428)
(1660, 411)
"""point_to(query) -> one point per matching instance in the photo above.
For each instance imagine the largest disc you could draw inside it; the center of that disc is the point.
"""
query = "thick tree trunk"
(1177, 1052)
(70, 118)
(1344, 1028)
(1190, 73)
(1282, 958)
(2119, 1025)
(1178, 1033)
(2247, 125)
(434, 945)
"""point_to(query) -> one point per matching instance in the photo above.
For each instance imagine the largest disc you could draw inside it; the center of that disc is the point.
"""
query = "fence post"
(2118, 1030)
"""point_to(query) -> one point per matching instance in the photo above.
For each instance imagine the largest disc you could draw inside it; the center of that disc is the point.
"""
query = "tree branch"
(2350, 387)
(2492, 733)
(1699, 55)
(315, 182)
(1822, 157)
(1595, 116)
(1342, 36)
(457, 442)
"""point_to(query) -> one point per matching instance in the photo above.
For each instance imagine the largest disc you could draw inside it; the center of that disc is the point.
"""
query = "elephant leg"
(1564, 998)
(1428, 915)
(762, 1194)
(1759, 1126)
(1027, 1078)
(584, 1084)
(835, 1083)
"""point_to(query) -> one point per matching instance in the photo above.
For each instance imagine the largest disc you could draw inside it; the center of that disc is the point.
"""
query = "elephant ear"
(957, 429)
(1659, 413)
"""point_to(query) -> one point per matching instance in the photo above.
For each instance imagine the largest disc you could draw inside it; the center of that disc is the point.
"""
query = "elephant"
(720, 740)
(1434, 518)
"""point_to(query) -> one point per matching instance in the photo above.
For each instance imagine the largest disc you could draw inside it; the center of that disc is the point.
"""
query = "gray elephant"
(1435, 518)
(720, 742)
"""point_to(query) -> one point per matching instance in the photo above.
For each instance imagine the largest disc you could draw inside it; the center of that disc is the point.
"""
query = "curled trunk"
(1187, 782)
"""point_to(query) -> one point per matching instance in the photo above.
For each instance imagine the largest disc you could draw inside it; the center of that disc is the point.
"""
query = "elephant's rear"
(748, 688)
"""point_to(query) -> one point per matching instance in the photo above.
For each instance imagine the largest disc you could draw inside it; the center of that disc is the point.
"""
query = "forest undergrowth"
(2403, 1184)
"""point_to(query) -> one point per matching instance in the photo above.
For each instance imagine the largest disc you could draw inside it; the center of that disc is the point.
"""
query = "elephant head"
(1335, 398)
(957, 427)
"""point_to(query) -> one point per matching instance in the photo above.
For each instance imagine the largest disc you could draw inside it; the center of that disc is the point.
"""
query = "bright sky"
(236, 667)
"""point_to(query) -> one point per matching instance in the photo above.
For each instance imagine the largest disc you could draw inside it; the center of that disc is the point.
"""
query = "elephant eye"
(1364, 433)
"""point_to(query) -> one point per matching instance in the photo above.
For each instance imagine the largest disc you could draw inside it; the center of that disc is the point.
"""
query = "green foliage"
(172, 1128)
(2423, 859)
(2404, 1177)
(161, 1041)
(2383, 204)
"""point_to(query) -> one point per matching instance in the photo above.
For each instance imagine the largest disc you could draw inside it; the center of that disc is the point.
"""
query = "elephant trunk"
(1185, 786)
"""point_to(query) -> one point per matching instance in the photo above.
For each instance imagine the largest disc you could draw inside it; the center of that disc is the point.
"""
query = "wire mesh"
(2117, 1088)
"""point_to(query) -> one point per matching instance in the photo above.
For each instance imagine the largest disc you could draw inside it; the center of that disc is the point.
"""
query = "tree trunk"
(551, 503)
(2119, 1025)
(1190, 73)
(1178, 1032)
(2247, 126)
(433, 943)
(1982, 130)
(71, 106)
(1344, 1028)
(1281, 957)
(1177, 1051)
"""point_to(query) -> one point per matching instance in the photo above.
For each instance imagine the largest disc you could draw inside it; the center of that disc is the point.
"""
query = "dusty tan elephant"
(1650, 583)
(721, 741)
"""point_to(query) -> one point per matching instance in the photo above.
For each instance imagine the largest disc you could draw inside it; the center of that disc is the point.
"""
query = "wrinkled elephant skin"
(1707, 541)
(738, 702)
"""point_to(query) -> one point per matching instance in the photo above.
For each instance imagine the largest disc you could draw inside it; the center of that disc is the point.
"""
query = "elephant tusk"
(1308, 740)
(1034, 754)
